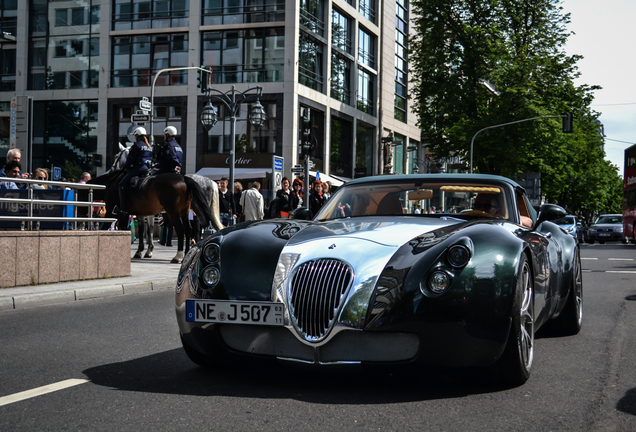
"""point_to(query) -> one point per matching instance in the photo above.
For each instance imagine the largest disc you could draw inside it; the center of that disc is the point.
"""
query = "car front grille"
(316, 294)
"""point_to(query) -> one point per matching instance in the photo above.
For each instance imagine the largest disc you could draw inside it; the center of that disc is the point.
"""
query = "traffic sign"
(139, 118)
(145, 104)
(298, 169)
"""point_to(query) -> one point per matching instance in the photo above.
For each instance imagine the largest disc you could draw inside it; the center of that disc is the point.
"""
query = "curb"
(22, 301)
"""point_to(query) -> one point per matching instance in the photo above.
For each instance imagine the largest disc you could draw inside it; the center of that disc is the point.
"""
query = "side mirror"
(301, 213)
(549, 212)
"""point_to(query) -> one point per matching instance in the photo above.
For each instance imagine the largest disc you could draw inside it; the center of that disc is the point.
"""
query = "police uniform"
(138, 162)
(170, 157)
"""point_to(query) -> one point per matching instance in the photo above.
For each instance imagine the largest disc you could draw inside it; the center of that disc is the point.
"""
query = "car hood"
(391, 233)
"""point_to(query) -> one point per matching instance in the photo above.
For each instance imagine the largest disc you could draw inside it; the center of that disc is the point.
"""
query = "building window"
(66, 56)
(135, 14)
(310, 63)
(340, 78)
(401, 61)
(219, 12)
(368, 9)
(366, 48)
(366, 92)
(311, 16)
(341, 31)
(341, 148)
(364, 149)
(136, 59)
(245, 56)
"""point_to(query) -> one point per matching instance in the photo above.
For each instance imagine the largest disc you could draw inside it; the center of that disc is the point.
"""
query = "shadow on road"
(171, 372)
(627, 403)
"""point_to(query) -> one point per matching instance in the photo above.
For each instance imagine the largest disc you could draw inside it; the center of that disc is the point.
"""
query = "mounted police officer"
(138, 162)
(170, 157)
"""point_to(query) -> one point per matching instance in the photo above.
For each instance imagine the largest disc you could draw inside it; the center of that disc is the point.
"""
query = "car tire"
(601, 242)
(624, 240)
(571, 318)
(590, 241)
(195, 356)
(515, 363)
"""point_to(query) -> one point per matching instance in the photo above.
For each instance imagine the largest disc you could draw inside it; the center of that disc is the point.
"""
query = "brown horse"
(172, 193)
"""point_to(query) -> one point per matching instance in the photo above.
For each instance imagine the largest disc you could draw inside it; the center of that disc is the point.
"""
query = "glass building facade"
(87, 64)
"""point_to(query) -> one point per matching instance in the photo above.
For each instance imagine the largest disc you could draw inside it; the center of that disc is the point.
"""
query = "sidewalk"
(146, 274)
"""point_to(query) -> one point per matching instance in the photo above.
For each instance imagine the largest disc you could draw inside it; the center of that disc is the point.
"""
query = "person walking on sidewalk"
(252, 203)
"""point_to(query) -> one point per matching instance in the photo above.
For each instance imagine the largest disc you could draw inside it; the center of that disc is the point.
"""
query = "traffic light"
(568, 124)
(202, 80)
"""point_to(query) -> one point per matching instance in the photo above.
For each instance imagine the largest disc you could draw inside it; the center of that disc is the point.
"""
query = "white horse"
(145, 226)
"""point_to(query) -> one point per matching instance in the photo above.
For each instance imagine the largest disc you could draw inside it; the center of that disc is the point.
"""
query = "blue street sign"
(57, 173)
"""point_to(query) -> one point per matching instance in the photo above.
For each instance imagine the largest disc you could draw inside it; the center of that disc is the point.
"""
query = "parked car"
(364, 282)
(570, 225)
(607, 227)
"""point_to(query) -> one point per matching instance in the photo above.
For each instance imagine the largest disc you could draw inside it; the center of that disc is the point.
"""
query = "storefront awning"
(239, 173)
(324, 177)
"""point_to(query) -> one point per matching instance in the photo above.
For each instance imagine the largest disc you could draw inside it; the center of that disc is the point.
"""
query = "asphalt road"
(132, 374)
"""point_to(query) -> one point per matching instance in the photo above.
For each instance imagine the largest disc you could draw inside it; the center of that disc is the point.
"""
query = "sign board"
(20, 126)
(298, 169)
(140, 118)
(277, 172)
(144, 104)
(57, 173)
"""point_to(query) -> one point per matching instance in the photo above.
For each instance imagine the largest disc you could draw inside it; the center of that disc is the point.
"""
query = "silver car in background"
(607, 227)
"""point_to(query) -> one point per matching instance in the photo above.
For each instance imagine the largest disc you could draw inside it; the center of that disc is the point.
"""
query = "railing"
(27, 221)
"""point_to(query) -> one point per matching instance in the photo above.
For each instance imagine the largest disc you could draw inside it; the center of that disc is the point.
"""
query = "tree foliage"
(479, 63)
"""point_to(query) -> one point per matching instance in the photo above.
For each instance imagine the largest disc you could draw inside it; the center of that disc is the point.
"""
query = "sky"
(605, 38)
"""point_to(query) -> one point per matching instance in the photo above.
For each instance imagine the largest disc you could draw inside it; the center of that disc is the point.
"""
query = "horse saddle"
(138, 181)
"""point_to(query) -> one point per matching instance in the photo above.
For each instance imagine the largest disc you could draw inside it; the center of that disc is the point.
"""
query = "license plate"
(234, 312)
(604, 235)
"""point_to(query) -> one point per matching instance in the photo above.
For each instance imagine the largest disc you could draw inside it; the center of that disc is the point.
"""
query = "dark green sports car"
(376, 277)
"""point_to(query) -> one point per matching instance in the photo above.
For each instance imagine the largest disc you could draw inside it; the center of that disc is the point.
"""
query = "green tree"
(477, 64)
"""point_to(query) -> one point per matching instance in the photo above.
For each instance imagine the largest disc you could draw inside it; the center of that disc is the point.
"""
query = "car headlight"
(619, 229)
(593, 230)
(211, 276)
(438, 282)
(458, 255)
(212, 253)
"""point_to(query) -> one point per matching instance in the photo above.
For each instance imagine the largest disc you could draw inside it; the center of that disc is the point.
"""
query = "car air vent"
(317, 291)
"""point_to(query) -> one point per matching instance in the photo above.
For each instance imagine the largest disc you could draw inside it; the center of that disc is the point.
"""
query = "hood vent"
(316, 294)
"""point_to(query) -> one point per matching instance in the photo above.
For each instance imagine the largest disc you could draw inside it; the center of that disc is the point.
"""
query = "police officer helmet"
(170, 131)
(139, 131)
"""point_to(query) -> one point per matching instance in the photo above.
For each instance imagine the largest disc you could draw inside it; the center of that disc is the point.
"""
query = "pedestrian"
(137, 163)
(287, 200)
(170, 158)
(12, 170)
(14, 155)
(85, 177)
(226, 202)
(326, 190)
(40, 174)
(252, 203)
(297, 187)
(316, 198)
(238, 209)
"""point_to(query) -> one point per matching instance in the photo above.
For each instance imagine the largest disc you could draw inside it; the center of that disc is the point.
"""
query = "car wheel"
(516, 361)
(571, 317)
(624, 240)
(601, 242)
(590, 241)
(194, 355)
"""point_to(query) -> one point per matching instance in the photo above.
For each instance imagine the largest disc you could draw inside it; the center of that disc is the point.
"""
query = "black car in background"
(607, 227)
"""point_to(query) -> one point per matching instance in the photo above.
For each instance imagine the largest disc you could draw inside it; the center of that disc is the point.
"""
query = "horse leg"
(149, 222)
(139, 232)
(177, 223)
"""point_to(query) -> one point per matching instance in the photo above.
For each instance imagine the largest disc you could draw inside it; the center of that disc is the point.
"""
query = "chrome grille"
(316, 294)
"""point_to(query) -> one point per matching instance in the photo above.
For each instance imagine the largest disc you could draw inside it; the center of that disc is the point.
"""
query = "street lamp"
(232, 101)
(209, 116)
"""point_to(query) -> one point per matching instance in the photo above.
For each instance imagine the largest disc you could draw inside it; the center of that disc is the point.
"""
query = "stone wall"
(38, 257)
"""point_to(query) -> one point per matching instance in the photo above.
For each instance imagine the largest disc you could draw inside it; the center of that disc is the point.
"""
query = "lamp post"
(232, 101)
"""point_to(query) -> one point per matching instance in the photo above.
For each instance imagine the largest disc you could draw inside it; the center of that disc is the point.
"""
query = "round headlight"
(211, 276)
(211, 253)
(438, 282)
(458, 255)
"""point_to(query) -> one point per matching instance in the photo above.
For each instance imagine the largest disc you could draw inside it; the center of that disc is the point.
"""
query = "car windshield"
(610, 220)
(568, 220)
(418, 197)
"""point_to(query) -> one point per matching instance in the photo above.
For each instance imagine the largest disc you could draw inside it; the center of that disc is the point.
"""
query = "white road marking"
(618, 271)
(28, 394)
(621, 259)
(590, 259)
